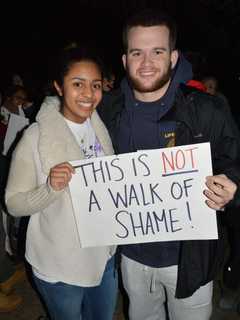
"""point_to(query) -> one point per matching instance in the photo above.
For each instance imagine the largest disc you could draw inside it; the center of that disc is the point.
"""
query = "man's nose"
(146, 59)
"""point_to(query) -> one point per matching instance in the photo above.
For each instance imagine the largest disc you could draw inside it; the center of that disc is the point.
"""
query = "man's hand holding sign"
(220, 191)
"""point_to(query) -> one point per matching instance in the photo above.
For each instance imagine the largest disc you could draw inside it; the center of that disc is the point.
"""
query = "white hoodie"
(53, 247)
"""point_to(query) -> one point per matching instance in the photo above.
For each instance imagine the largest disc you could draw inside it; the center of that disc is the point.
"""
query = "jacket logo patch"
(169, 135)
(171, 143)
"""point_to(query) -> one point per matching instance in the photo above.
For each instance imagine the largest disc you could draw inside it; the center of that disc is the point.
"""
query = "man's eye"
(136, 54)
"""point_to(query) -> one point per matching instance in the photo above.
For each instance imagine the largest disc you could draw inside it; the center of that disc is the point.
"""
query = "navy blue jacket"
(194, 117)
(198, 119)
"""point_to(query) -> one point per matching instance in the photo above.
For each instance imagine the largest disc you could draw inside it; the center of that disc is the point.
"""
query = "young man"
(155, 110)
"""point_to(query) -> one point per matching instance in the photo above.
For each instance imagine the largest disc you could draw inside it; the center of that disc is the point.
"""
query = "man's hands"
(60, 175)
(220, 191)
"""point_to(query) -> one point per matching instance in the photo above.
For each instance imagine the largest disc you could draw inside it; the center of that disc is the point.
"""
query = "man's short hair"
(150, 18)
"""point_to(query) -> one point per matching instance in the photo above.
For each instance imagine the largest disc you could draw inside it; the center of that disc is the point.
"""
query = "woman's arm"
(23, 195)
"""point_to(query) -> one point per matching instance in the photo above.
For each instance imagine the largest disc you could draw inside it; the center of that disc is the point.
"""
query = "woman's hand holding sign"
(60, 175)
(220, 192)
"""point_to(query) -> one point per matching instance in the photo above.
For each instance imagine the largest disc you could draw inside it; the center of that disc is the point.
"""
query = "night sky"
(31, 33)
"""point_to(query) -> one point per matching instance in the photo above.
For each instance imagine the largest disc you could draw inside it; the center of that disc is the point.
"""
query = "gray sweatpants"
(149, 288)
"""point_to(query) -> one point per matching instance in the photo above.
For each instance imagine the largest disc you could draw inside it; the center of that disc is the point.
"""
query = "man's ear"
(174, 58)
(124, 60)
(56, 86)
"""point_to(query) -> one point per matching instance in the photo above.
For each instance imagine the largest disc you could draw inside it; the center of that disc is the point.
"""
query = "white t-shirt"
(86, 138)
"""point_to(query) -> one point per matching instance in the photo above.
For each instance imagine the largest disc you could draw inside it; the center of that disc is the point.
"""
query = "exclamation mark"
(189, 213)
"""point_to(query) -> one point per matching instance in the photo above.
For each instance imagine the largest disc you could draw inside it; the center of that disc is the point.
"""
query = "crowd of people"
(156, 106)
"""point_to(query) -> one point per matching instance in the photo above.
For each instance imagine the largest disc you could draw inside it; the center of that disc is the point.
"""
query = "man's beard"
(154, 86)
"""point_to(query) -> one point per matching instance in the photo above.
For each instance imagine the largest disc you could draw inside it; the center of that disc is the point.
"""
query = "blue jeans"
(69, 302)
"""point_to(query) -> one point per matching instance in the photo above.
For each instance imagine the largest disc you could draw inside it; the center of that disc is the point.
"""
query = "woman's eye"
(98, 86)
(77, 84)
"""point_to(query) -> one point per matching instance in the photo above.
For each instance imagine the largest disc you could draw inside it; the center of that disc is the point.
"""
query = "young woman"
(75, 283)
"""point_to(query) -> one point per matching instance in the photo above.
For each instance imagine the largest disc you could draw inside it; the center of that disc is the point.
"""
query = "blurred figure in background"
(108, 79)
(212, 87)
(231, 221)
(231, 278)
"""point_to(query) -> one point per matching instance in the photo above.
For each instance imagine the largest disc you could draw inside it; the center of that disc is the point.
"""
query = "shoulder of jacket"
(113, 97)
(198, 109)
(32, 132)
(111, 105)
(32, 129)
(199, 99)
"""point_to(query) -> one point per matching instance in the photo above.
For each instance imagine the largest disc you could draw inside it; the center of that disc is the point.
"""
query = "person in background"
(75, 283)
(15, 97)
(155, 110)
(14, 101)
(230, 279)
(211, 85)
(108, 79)
(9, 276)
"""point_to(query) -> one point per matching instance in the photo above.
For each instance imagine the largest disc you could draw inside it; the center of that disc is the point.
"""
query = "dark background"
(31, 34)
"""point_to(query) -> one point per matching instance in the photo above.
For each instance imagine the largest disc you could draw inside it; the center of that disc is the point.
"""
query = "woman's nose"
(88, 91)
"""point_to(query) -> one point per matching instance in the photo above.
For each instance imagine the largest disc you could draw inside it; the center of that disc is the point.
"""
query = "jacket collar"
(56, 141)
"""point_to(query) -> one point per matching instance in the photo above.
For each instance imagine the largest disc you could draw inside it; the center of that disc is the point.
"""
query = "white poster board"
(15, 124)
(146, 196)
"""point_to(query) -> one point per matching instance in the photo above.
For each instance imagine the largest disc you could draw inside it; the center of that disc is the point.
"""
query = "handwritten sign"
(146, 196)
